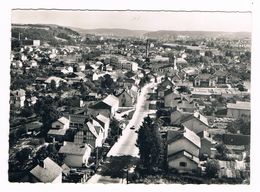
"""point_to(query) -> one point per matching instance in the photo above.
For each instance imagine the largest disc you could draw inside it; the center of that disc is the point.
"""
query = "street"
(125, 147)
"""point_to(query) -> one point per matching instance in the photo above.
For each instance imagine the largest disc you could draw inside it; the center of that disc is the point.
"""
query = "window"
(183, 164)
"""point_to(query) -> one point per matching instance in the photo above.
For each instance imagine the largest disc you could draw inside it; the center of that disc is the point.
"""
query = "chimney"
(41, 163)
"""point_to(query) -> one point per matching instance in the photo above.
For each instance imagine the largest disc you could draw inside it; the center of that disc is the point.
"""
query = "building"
(17, 98)
(107, 106)
(57, 80)
(91, 133)
(183, 148)
(47, 171)
(193, 121)
(76, 155)
(59, 129)
(238, 110)
(204, 80)
(125, 98)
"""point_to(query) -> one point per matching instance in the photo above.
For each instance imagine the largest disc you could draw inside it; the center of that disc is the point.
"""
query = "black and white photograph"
(128, 96)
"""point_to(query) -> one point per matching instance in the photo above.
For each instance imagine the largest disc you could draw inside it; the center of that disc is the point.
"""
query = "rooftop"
(47, 173)
(239, 105)
(74, 148)
(173, 136)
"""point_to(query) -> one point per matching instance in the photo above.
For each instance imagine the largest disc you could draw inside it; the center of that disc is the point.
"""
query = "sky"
(138, 20)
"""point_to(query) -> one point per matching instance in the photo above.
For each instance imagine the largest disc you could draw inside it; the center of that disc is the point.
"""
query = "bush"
(211, 168)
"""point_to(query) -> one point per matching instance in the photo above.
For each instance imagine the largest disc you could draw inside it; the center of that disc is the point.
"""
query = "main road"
(124, 152)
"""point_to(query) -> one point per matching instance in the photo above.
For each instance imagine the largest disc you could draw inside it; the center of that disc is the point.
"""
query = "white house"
(61, 123)
(18, 98)
(183, 148)
(76, 155)
(56, 79)
(238, 109)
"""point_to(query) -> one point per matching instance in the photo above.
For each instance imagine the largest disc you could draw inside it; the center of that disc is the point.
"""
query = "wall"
(190, 165)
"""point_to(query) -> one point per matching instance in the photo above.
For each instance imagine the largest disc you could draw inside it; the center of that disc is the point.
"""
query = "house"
(107, 106)
(171, 98)
(222, 77)
(125, 98)
(59, 129)
(204, 80)
(238, 110)
(31, 101)
(128, 65)
(76, 155)
(183, 148)
(47, 171)
(57, 80)
(61, 123)
(91, 133)
(193, 121)
(17, 98)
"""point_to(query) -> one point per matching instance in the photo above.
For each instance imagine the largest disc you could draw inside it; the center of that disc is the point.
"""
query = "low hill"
(52, 34)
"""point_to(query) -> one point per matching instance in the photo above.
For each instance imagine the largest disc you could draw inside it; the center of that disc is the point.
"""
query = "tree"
(23, 155)
(115, 129)
(27, 111)
(240, 125)
(211, 168)
(149, 144)
(53, 85)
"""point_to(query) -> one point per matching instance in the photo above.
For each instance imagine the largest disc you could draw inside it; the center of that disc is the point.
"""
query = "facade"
(18, 98)
(204, 80)
(91, 134)
(76, 155)
(238, 110)
(125, 99)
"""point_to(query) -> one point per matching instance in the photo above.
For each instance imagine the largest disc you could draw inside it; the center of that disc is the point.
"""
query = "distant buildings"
(17, 98)
(238, 110)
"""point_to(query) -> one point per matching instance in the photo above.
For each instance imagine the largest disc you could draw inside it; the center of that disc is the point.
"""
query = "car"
(133, 127)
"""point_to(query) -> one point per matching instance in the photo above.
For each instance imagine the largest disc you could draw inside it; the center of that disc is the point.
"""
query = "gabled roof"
(202, 118)
(63, 120)
(183, 153)
(48, 173)
(60, 132)
(102, 118)
(92, 129)
(204, 76)
(74, 148)
(111, 100)
(173, 136)
(18, 93)
(56, 79)
(239, 105)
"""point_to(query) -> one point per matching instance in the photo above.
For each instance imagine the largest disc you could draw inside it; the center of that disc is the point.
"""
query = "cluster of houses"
(188, 134)
(189, 139)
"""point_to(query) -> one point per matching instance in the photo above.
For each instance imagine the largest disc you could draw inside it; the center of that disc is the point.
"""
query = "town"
(159, 108)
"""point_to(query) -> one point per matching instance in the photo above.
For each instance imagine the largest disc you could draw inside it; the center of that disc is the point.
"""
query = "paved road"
(126, 143)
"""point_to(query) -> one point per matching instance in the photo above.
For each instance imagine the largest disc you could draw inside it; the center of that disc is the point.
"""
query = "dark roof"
(173, 136)
(235, 139)
(204, 76)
